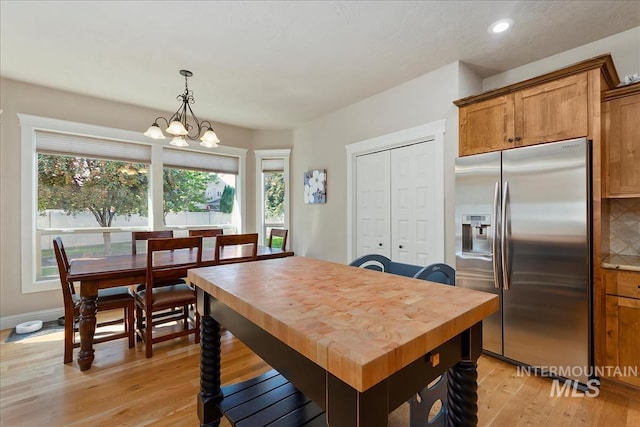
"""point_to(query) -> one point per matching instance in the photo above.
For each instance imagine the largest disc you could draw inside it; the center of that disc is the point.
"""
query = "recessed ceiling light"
(500, 26)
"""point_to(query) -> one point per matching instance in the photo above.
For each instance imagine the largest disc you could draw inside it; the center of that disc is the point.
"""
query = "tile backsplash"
(624, 226)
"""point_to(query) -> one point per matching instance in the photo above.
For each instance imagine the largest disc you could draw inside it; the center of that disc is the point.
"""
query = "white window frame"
(261, 155)
(29, 124)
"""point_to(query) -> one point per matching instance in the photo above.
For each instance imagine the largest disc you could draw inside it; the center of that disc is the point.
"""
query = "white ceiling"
(278, 64)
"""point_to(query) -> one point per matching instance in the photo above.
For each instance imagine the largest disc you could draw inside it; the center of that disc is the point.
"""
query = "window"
(87, 195)
(94, 185)
(272, 190)
(199, 190)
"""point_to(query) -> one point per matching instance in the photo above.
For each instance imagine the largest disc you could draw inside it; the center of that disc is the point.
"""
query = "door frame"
(429, 132)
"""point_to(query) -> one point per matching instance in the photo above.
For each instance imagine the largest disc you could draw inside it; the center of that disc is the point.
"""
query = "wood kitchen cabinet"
(621, 136)
(623, 323)
(552, 111)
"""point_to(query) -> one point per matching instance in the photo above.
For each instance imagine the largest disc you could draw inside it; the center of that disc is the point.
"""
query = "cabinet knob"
(379, 244)
(518, 138)
(400, 246)
(510, 139)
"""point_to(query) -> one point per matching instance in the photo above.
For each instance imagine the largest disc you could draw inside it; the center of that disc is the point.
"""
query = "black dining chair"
(429, 406)
(372, 262)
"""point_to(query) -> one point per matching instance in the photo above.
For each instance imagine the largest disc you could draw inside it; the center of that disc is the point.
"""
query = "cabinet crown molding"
(604, 62)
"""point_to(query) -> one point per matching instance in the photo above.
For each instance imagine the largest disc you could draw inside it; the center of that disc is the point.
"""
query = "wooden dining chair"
(168, 260)
(144, 236)
(282, 234)
(139, 236)
(206, 232)
(246, 248)
(108, 299)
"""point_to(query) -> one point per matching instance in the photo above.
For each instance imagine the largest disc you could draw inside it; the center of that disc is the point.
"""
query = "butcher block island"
(357, 342)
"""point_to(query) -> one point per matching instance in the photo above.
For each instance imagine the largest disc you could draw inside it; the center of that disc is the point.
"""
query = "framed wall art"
(315, 186)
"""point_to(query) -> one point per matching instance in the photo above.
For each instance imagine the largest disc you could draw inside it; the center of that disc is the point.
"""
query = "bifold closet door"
(413, 204)
(373, 226)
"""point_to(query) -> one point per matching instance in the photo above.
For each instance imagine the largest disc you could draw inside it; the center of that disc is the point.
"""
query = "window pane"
(274, 198)
(79, 245)
(79, 193)
(194, 197)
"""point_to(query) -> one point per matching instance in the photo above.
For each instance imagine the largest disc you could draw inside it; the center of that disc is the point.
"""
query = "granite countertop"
(622, 262)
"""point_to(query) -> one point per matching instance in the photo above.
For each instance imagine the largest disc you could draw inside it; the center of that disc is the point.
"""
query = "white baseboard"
(10, 322)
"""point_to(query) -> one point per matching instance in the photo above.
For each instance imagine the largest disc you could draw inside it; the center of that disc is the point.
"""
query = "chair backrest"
(164, 265)
(63, 267)
(246, 248)
(439, 273)
(137, 236)
(372, 262)
(278, 232)
(207, 232)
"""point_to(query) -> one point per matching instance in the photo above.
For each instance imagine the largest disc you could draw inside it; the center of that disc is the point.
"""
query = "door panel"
(373, 204)
(553, 111)
(487, 126)
(546, 308)
(413, 205)
(476, 179)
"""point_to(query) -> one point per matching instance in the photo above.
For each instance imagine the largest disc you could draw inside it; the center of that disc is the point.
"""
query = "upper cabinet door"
(552, 111)
(622, 146)
(487, 126)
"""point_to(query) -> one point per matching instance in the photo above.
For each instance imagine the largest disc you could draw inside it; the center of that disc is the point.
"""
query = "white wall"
(320, 144)
(624, 49)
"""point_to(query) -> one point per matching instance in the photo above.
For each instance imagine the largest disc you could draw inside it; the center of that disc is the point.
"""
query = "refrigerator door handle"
(495, 242)
(504, 237)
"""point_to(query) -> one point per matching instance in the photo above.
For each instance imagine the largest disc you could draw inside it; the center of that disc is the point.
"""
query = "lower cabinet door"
(623, 338)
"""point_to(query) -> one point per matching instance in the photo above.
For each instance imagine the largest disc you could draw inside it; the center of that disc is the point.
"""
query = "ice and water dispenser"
(475, 234)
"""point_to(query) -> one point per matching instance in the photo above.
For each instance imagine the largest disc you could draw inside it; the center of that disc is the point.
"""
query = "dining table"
(95, 273)
(358, 343)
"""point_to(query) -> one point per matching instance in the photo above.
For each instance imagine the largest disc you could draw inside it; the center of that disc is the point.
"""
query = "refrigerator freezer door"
(477, 223)
(546, 302)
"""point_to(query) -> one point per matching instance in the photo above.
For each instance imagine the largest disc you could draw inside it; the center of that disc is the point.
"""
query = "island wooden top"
(360, 325)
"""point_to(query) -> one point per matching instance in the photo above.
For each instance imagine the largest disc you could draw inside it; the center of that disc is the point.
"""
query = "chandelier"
(178, 127)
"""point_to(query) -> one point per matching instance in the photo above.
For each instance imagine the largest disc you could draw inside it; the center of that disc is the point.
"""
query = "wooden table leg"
(88, 310)
(210, 394)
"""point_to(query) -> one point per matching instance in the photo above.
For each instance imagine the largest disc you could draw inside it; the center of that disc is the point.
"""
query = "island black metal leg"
(210, 394)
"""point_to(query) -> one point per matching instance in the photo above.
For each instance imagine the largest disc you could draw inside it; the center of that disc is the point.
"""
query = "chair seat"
(172, 295)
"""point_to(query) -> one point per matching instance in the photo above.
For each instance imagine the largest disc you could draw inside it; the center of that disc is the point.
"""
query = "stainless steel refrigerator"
(523, 233)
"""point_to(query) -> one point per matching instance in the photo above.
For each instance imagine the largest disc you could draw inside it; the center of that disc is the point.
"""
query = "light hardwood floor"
(123, 388)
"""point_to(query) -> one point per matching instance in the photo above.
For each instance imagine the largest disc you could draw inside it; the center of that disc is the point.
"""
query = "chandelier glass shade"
(180, 127)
